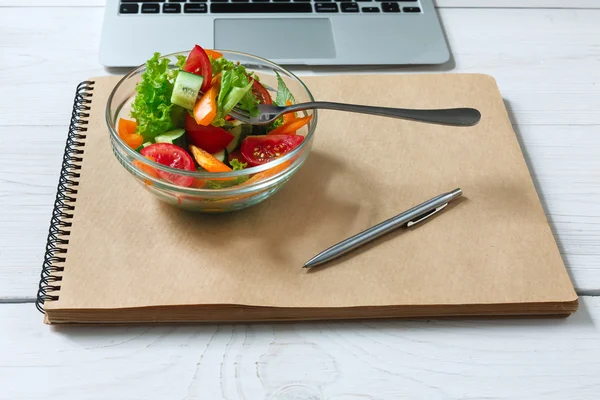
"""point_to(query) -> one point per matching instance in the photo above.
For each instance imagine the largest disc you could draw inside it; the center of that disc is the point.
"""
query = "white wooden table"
(545, 56)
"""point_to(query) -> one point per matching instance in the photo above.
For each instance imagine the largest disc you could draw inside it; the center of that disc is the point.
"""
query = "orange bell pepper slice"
(198, 183)
(147, 169)
(126, 129)
(268, 173)
(289, 117)
(134, 141)
(207, 161)
(213, 54)
(205, 109)
(291, 127)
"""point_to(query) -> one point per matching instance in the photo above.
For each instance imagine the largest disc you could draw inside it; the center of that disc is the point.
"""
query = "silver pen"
(407, 218)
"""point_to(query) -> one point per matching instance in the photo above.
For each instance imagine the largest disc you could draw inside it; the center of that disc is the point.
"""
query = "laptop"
(289, 32)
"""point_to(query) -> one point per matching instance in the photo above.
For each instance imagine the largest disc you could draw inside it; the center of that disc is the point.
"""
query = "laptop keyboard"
(267, 6)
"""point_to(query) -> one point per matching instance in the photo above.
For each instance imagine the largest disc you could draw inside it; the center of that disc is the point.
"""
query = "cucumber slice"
(176, 137)
(187, 87)
(238, 134)
(221, 155)
(142, 146)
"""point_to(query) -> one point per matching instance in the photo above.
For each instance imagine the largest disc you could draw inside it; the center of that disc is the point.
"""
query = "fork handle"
(447, 116)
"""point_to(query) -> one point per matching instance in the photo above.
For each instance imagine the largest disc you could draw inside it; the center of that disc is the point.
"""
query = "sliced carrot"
(216, 80)
(126, 127)
(291, 127)
(205, 109)
(207, 161)
(213, 54)
(289, 117)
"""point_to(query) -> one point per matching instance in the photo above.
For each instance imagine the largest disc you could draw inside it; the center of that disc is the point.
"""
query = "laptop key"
(129, 9)
(370, 9)
(150, 8)
(171, 8)
(411, 9)
(326, 7)
(261, 8)
(390, 7)
(194, 8)
(349, 7)
(197, 1)
(218, 1)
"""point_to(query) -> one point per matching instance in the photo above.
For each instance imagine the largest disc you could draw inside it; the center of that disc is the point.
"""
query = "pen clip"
(425, 215)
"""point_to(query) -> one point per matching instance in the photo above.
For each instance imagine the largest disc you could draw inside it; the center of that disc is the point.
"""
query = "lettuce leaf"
(283, 93)
(152, 108)
(220, 64)
(236, 89)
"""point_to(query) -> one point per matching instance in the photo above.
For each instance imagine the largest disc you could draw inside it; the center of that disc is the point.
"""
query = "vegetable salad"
(180, 118)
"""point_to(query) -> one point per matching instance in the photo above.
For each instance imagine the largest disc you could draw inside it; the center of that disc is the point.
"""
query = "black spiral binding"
(65, 198)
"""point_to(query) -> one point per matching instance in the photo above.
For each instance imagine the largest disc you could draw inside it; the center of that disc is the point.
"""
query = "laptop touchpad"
(285, 38)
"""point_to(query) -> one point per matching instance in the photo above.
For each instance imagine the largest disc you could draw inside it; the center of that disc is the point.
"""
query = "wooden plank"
(451, 359)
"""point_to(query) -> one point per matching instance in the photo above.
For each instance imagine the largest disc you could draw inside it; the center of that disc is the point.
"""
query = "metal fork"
(448, 116)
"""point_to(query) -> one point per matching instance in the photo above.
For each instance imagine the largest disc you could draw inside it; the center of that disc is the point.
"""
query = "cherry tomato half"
(209, 138)
(198, 63)
(172, 156)
(258, 150)
(261, 93)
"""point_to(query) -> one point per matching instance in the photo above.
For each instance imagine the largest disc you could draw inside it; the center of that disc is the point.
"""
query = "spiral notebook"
(117, 255)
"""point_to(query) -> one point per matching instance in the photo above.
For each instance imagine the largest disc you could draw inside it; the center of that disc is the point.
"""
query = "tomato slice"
(198, 63)
(172, 156)
(261, 93)
(258, 150)
(209, 138)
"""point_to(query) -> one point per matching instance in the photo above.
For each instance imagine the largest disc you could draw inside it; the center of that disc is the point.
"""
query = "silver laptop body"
(291, 32)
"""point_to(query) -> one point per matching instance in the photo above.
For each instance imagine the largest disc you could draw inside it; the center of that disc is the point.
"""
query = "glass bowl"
(264, 180)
